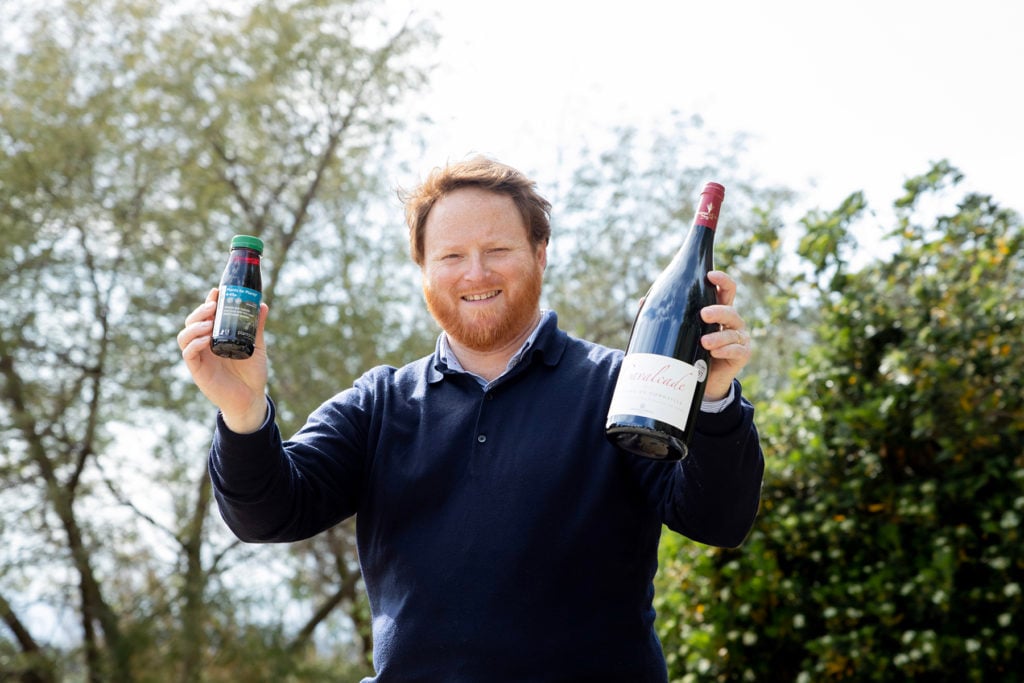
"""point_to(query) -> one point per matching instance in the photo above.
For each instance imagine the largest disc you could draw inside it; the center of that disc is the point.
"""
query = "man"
(501, 536)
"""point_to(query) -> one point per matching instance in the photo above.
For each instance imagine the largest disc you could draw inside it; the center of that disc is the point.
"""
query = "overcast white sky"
(836, 96)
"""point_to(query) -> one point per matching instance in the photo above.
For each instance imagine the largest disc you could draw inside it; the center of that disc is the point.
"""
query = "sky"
(833, 97)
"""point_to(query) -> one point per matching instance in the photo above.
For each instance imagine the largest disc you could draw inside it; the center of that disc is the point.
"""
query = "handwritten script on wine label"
(657, 387)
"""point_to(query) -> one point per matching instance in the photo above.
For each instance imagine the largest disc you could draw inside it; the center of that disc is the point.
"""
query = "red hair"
(486, 174)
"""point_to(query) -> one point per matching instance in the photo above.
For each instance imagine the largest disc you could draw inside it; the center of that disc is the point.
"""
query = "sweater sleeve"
(269, 490)
(712, 496)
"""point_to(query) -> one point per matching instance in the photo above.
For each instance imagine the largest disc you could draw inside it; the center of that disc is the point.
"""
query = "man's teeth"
(481, 297)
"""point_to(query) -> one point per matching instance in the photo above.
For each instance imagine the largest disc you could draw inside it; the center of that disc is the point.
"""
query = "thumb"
(260, 325)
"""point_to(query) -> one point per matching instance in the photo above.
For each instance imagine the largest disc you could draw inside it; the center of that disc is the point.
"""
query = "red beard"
(495, 327)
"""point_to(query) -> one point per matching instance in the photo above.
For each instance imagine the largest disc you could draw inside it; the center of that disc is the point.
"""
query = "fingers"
(726, 316)
(203, 313)
(199, 323)
(726, 287)
(723, 312)
(728, 343)
(194, 338)
(731, 341)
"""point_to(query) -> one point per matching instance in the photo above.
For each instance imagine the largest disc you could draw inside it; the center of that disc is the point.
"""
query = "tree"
(133, 138)
(888, 546)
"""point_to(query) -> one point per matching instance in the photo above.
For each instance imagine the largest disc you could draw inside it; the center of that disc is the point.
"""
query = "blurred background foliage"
(136, 137)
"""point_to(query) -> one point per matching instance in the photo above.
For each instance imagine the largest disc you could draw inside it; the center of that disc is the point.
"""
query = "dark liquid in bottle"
(238, 304)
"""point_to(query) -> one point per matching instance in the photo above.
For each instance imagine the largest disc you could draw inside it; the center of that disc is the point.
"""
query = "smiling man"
(501, 536)
(481, 277)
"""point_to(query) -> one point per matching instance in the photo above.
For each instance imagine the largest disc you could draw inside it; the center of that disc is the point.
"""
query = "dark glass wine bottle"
(661, 384)
(238, 304)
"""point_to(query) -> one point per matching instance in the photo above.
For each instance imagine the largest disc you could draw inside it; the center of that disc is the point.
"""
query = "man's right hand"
(237, 387)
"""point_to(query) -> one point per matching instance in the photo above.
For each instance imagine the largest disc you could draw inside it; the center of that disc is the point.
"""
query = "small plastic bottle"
(238, 305)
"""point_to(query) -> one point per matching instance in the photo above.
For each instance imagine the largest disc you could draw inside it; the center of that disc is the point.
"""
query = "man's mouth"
(482, 297)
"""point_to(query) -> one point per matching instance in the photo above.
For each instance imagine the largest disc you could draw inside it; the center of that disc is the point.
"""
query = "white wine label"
(657, 387)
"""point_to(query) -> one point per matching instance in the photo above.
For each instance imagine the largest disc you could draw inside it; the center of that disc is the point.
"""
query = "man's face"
(481, 276)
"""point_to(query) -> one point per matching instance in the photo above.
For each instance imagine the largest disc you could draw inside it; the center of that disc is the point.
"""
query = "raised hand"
(237, 387)
(730, 345)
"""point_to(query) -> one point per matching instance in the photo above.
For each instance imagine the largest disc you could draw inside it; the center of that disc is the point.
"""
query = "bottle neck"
(708, 205)
(244, 255)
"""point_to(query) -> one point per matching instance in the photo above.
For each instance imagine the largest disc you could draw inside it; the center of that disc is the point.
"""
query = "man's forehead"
(470, 198)
(475, 209)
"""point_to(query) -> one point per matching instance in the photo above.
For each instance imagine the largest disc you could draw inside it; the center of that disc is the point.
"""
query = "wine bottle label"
(657, 387)
(239, 314)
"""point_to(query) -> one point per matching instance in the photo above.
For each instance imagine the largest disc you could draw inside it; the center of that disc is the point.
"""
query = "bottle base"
(647, 443)
(233, 350)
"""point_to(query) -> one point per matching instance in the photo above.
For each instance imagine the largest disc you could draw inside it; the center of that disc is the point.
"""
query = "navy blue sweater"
(501, 536)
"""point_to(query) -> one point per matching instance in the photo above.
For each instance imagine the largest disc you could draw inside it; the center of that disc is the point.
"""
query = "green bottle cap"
(247, 242)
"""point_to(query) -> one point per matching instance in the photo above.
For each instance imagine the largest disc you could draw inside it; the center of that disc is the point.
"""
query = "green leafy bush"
(888, 546)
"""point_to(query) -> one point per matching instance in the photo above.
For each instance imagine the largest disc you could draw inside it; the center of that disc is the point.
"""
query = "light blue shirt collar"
(448, 356)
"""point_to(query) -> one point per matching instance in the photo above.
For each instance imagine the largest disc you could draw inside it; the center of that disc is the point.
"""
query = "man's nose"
(477, 267)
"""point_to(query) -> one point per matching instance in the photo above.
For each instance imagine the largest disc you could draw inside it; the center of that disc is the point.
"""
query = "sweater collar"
(547, 343)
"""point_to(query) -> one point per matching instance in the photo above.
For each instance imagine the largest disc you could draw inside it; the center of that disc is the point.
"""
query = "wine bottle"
(661, 383)
(238, 303)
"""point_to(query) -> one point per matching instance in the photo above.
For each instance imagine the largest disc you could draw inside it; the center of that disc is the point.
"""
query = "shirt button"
(482, 438)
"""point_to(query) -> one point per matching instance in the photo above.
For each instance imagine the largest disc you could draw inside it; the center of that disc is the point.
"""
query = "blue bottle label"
(238, 313)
